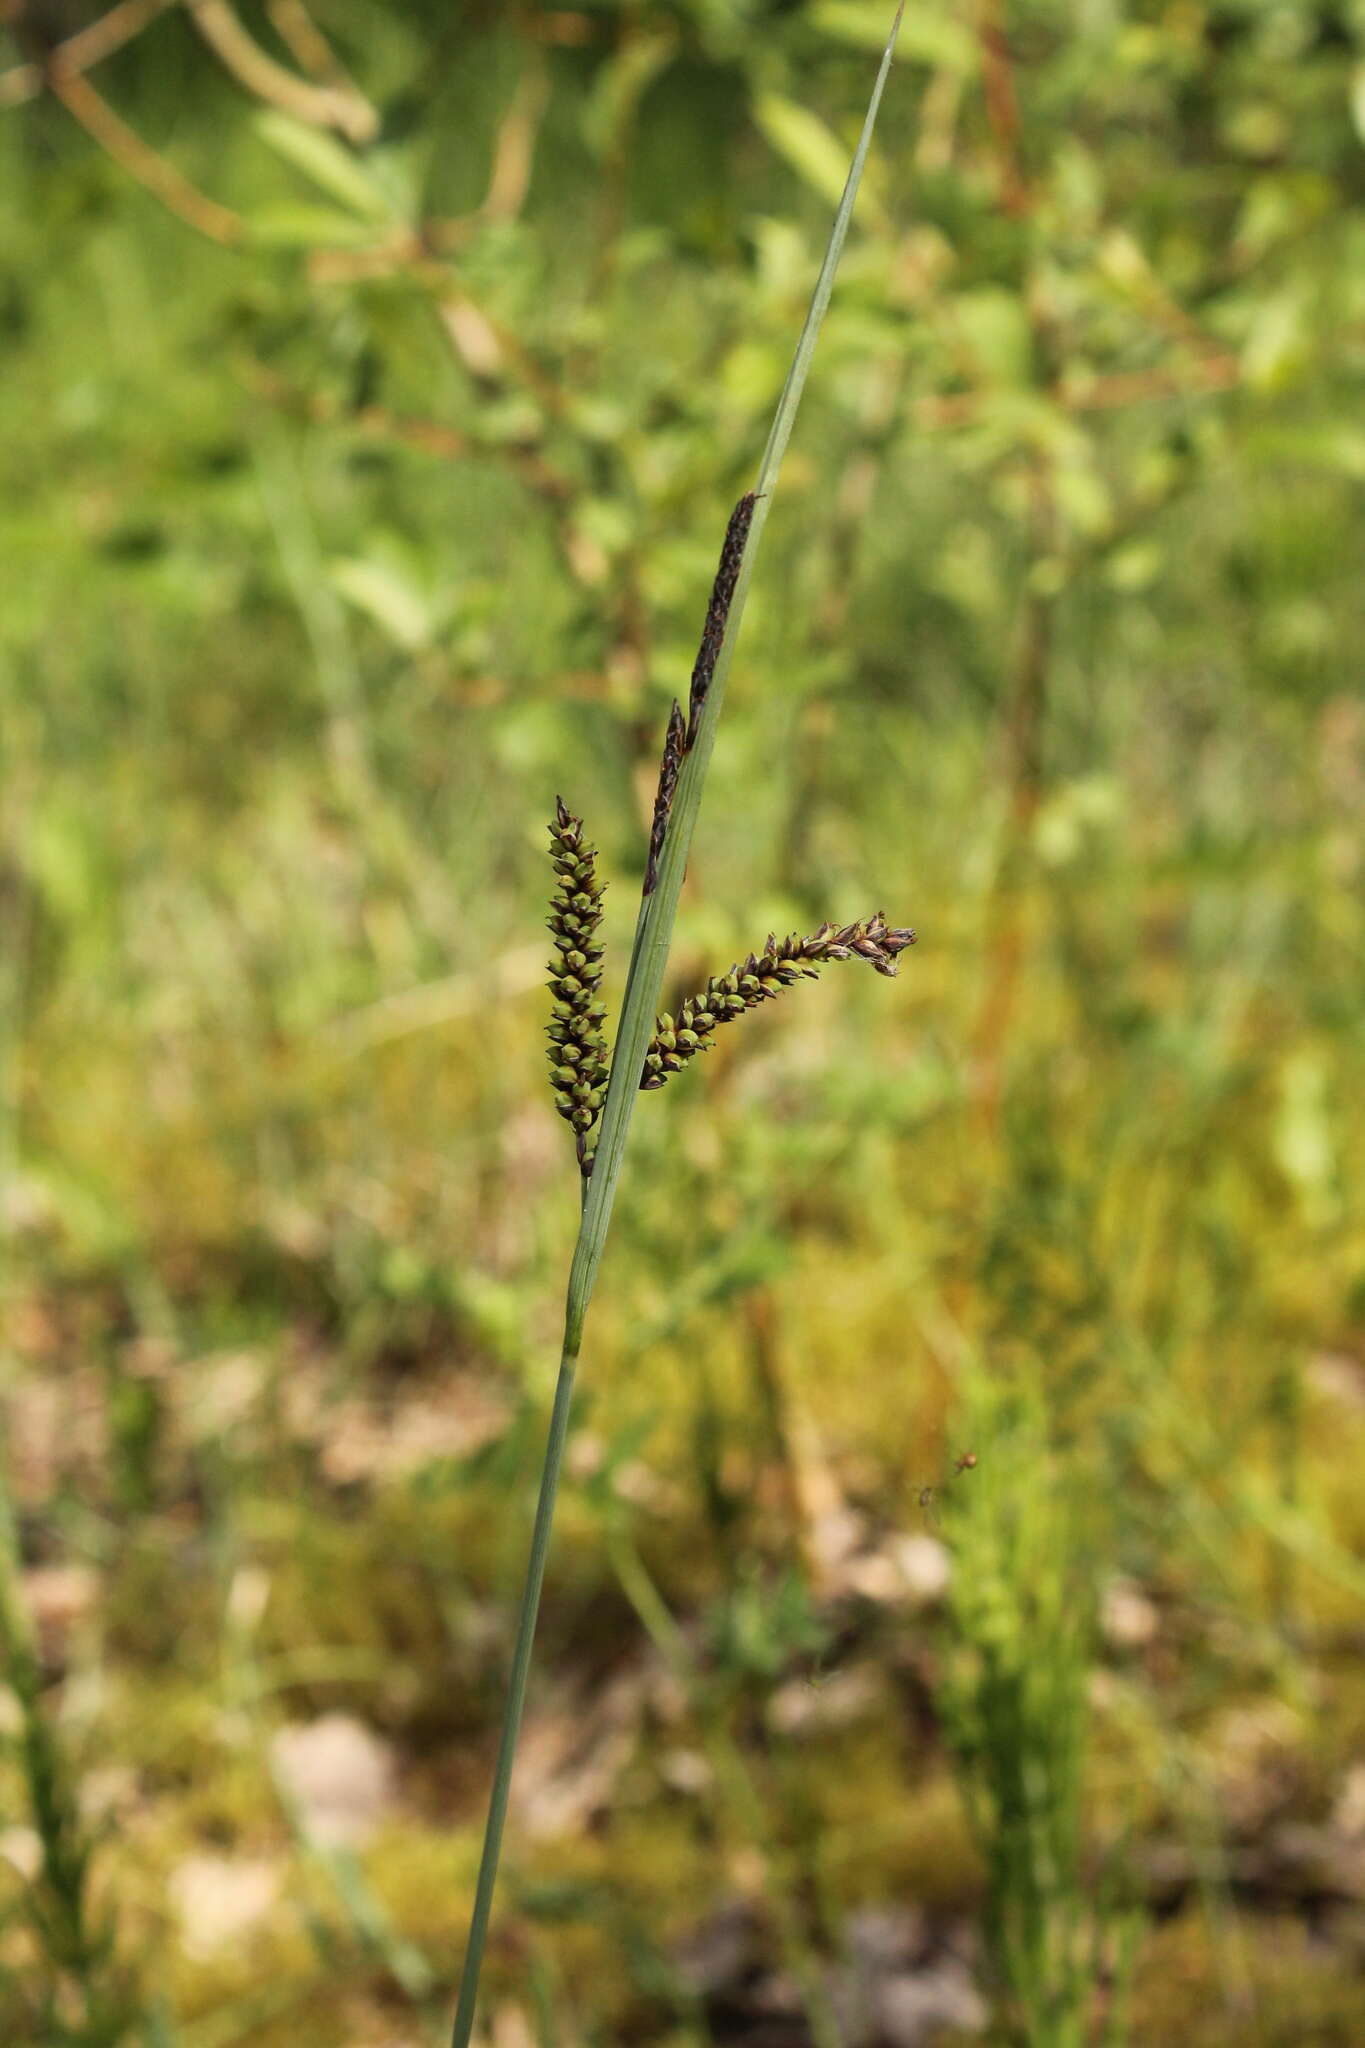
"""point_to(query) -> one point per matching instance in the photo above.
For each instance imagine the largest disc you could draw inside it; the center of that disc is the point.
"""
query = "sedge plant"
(86, 1999)
(597, 1097)
(1060, 1938)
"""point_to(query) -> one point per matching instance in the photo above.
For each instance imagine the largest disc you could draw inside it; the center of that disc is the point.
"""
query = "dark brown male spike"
(675, 746)
(718, 610)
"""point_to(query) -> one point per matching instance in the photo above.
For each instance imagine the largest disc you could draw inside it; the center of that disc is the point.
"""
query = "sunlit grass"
(241, 1351)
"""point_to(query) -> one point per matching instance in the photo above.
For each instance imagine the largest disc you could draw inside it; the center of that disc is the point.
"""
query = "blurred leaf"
(926, 37)
(332, 167)
(1279, 345)
(1277, 206)
(1339, 446)
(816, 155)
(1304, 1144)
(967, 572)
(621, 84)
(386, 597)
(995, 327)
(1135, 566)
(1083, 498)
(1072, 815)
(1256, 128)
(300, 226)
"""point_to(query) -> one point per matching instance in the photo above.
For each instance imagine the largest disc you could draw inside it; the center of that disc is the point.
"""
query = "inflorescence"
(761, 977)
(578, 1051)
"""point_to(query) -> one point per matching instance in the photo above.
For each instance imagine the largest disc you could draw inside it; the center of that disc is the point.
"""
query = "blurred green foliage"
(334, 547)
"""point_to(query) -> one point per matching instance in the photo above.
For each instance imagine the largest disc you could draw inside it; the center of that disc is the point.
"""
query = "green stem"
(639, 1008)
(516, 1700)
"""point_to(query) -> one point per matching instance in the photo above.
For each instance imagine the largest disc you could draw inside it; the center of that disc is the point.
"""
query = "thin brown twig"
(402, 250)
(1002, 105)
(1129, 265)
(338, 106)
(481, 345)
(514, 151)
(142, 162)
(460, 315)
(88, 46)
(110, 32)
(304, 40)
(21, 82)
(1209, 373)
(563, 27)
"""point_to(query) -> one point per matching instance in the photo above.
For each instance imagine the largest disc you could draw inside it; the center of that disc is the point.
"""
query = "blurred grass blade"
(640, 1004)
(328, 164)
(808, 144)
(929, 34)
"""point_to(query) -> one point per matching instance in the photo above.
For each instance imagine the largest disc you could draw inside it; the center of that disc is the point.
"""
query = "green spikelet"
(577, 1051)
(761, 977)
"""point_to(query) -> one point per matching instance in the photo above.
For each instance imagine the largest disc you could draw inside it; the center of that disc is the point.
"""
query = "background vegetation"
(370, 422)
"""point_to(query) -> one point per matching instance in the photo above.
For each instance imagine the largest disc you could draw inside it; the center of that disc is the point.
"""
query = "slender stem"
(516, 1701)
(639, 1006)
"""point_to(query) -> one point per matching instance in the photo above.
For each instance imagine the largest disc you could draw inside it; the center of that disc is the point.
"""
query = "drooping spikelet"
(578, 1052)
(761, 977)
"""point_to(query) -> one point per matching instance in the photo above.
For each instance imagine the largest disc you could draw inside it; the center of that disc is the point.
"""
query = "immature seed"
(761, 977)
(577, 1049)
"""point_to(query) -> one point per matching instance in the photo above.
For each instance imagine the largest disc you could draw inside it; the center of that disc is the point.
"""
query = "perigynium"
(595, 1100)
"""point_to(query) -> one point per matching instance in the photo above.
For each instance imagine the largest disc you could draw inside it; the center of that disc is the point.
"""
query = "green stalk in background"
(640, 1002)
(75, 1941)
